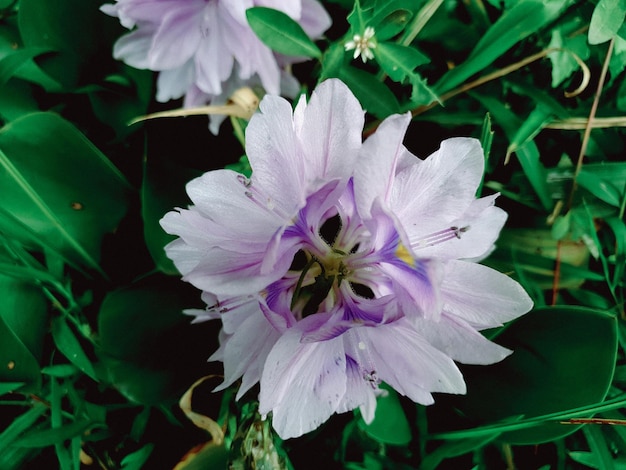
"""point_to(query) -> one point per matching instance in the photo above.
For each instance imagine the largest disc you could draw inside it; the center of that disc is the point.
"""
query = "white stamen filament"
(440, 237)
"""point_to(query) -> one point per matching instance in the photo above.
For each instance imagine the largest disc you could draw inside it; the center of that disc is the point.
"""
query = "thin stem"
(579, 163)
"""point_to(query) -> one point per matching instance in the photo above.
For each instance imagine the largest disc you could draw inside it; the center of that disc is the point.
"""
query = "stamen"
(365, 361)
(440, 237)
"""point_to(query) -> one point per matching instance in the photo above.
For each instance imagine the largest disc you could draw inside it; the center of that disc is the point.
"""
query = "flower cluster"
(204, 50)
(340, 263)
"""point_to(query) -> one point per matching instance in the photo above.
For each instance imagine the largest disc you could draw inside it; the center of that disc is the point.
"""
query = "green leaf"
(373, 95)
(16, 100)
(563, 358)
(8, 387)
(526, 17)
(455, 448)
(10, 64)
(399, 61)
(528, 154)
(392, 24)
(54, 25)
(601, 188)
(281, 33)
(606, 20)
(563, 62)
(162, 189)
(57, 183)
(390, 425)
(135, 460)
(60, 370)
(55, 435)
(333, 60)
(531, 126)
(23, 324)
(70, 346)
(19, 425)
(421, 93)
(144, 338)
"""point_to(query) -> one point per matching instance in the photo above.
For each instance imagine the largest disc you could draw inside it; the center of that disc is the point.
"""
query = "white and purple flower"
(340, 263)
(203, 49)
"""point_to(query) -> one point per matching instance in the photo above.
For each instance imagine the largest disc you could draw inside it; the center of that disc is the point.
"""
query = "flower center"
(322, 268)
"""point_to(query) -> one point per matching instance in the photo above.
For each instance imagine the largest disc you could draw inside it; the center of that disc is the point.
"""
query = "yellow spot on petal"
(405, 255)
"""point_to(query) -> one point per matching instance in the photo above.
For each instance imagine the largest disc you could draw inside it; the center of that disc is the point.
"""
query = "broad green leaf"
(70, 346)
(607, 18)
(162, 189)
(563, 358)
(11, 44)
(57, 183)
(398, 61)
(374, 96)
(55, 25)
(10, 64)
(23, 323)
(144, 338)
(116, 105)
(390, 425)
(16, 100)
(523, 19)
(281, 33)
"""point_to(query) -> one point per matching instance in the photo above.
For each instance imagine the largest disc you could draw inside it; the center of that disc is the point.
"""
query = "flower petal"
(460, 341)
(375, 174)
(410, 364)
(439, 189)
(245, 351)
(177, 37)
(331, 131)
(302, 383)
(482, 296)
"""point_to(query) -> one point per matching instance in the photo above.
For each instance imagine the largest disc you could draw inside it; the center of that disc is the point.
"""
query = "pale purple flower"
(340, 264)
(200, 46)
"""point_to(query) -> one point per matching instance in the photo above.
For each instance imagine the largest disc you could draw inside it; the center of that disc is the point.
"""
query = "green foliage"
(94, 349)
(281, 33)
(563, 358)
